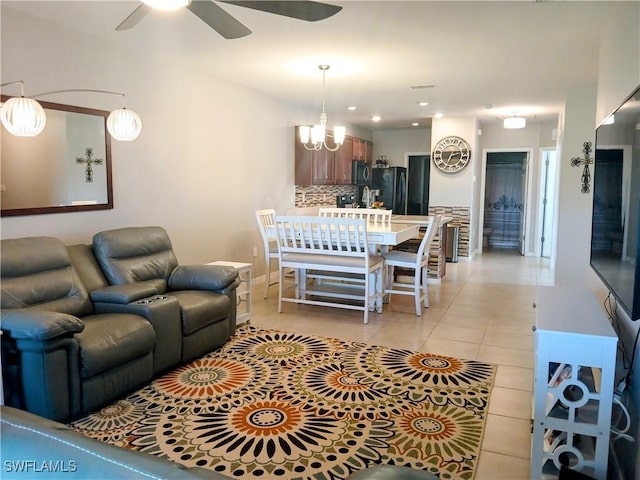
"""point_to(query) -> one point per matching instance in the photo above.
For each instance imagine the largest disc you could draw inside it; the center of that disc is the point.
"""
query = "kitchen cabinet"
(363, 150)
(359, 148)
(303, 163)
(323, 167)
(342, 162)
(368, 152)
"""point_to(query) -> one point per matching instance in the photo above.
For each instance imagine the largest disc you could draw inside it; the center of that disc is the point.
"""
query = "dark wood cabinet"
(342, 162)
(368, 152)
(324, 167)
(303, 163)
(363, 150)
(359, 146)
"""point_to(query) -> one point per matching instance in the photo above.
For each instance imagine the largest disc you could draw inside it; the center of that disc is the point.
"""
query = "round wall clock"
(451, 154)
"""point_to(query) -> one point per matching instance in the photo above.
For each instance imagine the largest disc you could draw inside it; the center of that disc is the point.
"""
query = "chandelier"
(318, 133)
(25, 117)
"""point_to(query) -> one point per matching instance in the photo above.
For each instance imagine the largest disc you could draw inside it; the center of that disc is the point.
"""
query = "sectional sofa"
(84, 325)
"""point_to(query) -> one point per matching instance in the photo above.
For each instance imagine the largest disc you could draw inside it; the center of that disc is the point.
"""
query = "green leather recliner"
(142, 257)
(59, 356)
(72, 342)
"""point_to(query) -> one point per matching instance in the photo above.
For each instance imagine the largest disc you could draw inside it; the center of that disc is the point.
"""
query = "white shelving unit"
(573, 383)
(243, 291)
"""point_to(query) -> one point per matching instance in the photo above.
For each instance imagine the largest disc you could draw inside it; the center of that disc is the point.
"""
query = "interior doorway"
(547, 205)
(505, 200)
(418, 171)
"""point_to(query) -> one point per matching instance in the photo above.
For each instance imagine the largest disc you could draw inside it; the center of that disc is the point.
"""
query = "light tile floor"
(481, 310)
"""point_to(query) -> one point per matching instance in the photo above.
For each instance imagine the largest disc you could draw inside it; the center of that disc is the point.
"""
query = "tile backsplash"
(316, 195)
(461, 218)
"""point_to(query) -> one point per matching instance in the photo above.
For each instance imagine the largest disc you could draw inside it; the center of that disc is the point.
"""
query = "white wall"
(574, 217)
(619, 76)
(209, 155)
(536, 135)
(619, 58)
(454, 190)
(458, 189)
(395, 144)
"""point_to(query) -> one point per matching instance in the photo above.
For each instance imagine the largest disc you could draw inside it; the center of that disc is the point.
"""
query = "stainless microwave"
(360, 173)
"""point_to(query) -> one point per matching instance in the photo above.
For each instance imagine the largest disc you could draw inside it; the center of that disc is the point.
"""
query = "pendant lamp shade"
(339, 133)
(23, 117)
(124, 125)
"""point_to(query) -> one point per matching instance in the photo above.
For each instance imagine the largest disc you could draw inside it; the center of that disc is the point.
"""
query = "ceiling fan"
(227, 26)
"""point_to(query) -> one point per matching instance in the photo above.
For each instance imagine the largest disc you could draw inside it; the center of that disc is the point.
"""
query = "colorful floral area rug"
(278, 405)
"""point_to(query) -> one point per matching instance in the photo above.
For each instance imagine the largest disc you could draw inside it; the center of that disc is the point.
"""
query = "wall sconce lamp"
(25, 117)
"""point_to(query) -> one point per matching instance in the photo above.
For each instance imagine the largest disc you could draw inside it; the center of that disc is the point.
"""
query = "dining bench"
(333, 246)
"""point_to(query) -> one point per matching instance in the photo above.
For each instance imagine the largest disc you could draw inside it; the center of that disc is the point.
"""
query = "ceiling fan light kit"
(25, 117)
(226, 25)
(318, 132)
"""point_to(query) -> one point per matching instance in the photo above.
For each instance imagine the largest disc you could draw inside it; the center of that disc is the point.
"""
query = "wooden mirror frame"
(46, 209)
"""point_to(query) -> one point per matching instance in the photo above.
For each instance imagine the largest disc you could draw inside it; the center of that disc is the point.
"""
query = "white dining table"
(380, 237)
(392, 234)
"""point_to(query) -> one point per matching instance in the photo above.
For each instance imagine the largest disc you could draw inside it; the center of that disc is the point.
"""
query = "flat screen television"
(615, 236)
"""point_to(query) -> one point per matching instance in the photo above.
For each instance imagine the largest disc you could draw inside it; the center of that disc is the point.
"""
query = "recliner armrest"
(29, 441)
(202, 277)
(230, 287)
(123, 294)
(25, 324)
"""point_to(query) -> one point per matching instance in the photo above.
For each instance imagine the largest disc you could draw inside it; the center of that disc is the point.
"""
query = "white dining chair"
(266, 223)
(372, 215)
(416, 261)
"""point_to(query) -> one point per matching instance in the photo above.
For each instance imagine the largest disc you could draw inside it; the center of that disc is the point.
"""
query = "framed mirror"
(66, 168)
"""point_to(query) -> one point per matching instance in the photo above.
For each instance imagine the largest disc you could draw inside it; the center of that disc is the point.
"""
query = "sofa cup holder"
(150, 300)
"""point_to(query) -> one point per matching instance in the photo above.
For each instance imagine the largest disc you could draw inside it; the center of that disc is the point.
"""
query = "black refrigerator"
(392, 183)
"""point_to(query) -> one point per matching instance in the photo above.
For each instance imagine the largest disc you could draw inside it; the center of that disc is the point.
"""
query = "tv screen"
(615, 237)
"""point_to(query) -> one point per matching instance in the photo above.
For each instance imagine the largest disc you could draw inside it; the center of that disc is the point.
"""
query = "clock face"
(451, 154)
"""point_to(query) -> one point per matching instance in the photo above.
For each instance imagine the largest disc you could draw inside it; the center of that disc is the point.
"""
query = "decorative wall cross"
(586, 161)
(89, 161)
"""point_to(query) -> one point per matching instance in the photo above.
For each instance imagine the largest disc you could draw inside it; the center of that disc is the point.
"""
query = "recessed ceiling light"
(351, 107)
(423, 104)
(438, 115)
(376, 118)
(415, 124)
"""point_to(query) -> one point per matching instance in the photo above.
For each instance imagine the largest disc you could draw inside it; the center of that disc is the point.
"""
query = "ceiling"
(478, 58)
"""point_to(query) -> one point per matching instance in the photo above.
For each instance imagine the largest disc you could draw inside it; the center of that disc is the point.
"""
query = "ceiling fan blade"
(301, 10)
(218, 19)
(134, 17)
